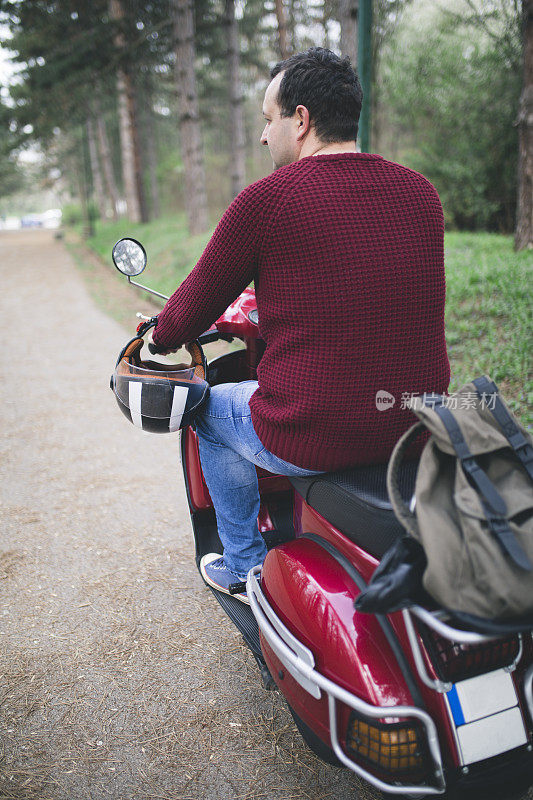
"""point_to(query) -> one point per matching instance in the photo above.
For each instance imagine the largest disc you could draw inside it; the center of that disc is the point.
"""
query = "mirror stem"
(146, 289)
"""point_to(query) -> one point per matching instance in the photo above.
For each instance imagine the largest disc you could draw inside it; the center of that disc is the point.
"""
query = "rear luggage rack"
(456, 654)
(456, 661)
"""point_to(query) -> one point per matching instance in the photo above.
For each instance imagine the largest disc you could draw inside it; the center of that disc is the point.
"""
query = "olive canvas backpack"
(472, 515)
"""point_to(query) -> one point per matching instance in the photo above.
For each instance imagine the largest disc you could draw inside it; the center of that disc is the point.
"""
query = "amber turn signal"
(394, 747)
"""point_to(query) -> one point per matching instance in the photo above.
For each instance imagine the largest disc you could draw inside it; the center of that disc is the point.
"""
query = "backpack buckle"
(525, 452)
(492, 499)
(508, 541)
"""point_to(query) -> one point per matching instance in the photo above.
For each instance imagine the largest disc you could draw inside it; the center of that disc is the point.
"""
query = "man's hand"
(156, 349)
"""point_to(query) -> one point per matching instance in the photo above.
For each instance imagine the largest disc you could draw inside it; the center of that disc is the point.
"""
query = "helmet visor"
(155, 394)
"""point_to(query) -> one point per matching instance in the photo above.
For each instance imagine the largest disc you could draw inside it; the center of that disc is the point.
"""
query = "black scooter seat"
(356, 502)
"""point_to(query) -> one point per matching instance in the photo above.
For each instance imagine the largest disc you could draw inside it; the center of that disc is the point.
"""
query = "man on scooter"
(346, 251)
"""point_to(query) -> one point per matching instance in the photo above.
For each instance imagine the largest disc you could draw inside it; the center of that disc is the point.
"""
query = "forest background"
(144, 118)
(138, 107)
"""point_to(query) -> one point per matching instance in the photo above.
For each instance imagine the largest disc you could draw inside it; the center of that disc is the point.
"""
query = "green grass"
(171, 251)
(488, 306)
(488, 314)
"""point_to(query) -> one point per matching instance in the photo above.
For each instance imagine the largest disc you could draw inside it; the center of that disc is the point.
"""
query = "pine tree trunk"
(189, 117)
(325, 25)
(348, 13)
(290, 17)
(282, 29)
(129, 143)
(150, 146)
(137, 151)
(107, 161)
(81, 178)
(524, 211)
(237, 140)
(98, 183)
(127, 151)
(151, 158)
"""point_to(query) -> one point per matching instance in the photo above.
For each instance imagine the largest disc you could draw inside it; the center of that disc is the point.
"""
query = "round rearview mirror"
(129, 257)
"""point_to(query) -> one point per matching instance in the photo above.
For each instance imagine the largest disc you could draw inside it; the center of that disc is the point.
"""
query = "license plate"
(486, 715)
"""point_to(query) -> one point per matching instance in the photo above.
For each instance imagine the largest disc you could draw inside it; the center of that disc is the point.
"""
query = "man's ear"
(304, 125)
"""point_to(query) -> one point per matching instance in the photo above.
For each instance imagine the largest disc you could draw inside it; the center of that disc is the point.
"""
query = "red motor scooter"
(408, 702)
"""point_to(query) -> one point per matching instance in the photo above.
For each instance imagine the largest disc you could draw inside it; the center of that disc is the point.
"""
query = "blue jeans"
(229, 449)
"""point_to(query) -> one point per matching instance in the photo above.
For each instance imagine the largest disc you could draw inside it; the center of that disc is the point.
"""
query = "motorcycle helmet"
(159, 398)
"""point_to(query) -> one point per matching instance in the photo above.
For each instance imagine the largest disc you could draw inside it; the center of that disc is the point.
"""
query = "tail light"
(396, 748)
(455, 662)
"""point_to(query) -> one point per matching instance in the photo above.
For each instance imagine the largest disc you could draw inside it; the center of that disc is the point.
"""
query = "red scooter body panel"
(198, 492)
(306, 519)
(313, 596)
(236, 321)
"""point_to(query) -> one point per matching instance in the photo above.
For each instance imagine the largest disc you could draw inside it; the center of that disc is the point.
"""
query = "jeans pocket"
(260, 456)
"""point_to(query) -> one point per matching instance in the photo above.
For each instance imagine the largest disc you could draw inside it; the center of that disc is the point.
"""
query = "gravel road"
(121, 678)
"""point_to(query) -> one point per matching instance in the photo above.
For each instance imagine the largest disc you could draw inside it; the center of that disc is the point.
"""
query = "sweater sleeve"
(225, 268)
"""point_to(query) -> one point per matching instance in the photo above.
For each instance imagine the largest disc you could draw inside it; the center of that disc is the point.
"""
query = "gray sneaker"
(216, 574)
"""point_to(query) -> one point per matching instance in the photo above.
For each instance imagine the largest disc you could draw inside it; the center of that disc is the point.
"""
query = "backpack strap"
(476, 475)
(402, 511)
(492, 502)
(510, 430)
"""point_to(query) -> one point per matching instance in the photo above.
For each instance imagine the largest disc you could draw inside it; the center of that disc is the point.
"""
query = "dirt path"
(121, 678)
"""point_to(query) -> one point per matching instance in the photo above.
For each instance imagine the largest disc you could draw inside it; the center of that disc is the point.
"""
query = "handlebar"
(212, 335)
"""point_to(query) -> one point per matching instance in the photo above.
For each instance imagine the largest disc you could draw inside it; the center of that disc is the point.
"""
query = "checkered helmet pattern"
(156, 397)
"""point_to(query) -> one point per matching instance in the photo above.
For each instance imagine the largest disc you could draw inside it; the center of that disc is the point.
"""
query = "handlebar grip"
(214, 336)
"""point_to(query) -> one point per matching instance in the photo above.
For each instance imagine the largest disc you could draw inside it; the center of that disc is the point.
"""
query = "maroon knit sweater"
(346, 251)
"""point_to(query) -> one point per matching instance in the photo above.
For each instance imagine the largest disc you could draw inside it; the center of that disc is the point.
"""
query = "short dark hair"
(327, 86)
